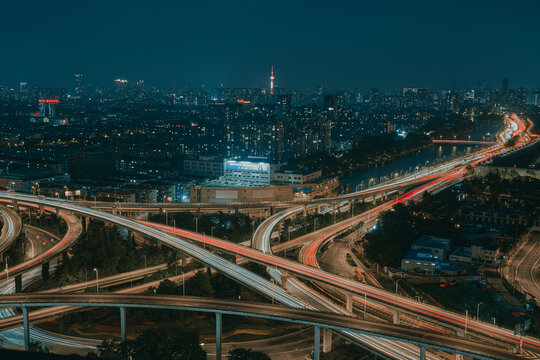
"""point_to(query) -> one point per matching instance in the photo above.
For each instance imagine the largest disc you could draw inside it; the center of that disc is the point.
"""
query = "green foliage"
(164, 343)
(103, 248)
(366, 152)
(246, 354)
(394, 237)
(15, 252)
(199, 285)
(235, 227)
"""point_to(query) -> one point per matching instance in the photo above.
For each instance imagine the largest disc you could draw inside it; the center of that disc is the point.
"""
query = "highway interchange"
(433, 180)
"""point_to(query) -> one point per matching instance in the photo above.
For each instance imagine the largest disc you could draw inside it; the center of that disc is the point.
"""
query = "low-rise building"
(204, 166)
(437, 246)
(461, 254)
(23, 180)
(488, 253)
(420, 261)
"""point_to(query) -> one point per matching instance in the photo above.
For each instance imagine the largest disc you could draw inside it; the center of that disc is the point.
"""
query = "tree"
(247, 354)
(166, 343)
(199, 285)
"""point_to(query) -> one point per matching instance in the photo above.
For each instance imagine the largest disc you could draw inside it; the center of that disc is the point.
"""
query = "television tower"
(272, 81)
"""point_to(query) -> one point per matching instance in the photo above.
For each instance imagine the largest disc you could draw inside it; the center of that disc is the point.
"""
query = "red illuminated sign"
(49, 101)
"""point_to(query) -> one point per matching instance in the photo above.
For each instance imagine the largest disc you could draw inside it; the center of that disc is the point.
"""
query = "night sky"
(340, 44)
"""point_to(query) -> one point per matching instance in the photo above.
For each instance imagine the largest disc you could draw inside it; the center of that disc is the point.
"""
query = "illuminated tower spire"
(272, 81)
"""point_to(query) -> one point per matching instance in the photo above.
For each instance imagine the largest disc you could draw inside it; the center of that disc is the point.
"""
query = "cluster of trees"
(167, 343)
(15, 254)
(235, 227)
(102, 247)
(398, 228)
(364, 153)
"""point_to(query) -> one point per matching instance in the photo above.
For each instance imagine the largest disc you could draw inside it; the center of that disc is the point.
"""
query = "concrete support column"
(305, 210)
(422, 353)
(209, 270)
(123, 323)
(349, 302)
(327, 341)
(26, 329)
(86, 223)
(316, 343)
(184, 259)
(15, 205)
(396, 317)
(218, 335)
(41, 209)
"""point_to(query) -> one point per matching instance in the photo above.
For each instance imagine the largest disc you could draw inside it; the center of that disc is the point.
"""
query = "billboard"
(247, 166)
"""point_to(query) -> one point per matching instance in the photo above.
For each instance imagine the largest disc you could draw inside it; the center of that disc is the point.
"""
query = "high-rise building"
(47, 107)
(327, 136)
(79, 84)
(330, 102)
(283, 110)
(505, 86)
(453, 102)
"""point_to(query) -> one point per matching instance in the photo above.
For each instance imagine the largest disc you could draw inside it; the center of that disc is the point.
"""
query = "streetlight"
(7, 268)
(397, 281)
(183, 283)
(289, 232)
(97, 279)
(478, 310)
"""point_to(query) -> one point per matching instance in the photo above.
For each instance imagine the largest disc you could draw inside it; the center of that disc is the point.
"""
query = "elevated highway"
(11, 228)
(275, 312)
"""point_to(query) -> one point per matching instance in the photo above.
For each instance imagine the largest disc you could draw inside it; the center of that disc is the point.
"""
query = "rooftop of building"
(433, 242)
(420, 255)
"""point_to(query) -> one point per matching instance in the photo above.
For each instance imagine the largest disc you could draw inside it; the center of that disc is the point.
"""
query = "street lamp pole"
(478, 310)
(97, 279)
(397, 281)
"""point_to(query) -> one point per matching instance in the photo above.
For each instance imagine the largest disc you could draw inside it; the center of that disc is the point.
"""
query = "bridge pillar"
(396, 317)
(374, 199)
(184, 259)
(18, 283)
(334, 208)
(218, 335)
(422, 353)
(15, 205)
(122, 323)
(209, 270)
(41, 209)
(305, 209)
(327, 341)
(26, 329)
(272, 210)
(349, 302)
(316, 343)
(86, 223)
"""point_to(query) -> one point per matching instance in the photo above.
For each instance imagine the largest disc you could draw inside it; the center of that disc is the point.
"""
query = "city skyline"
(348, 45)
